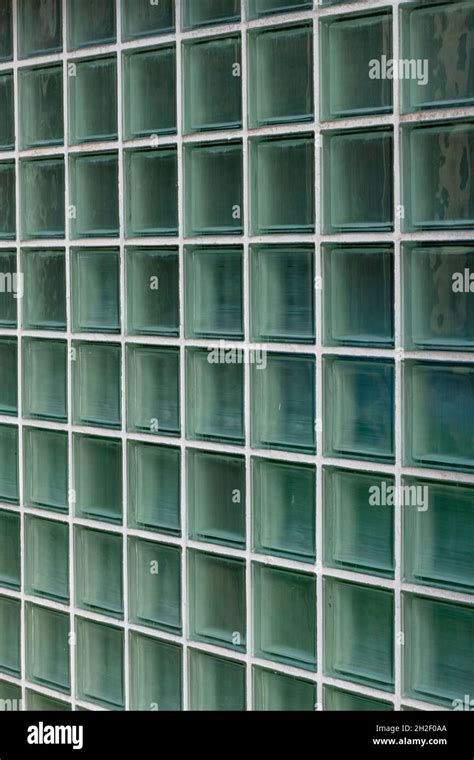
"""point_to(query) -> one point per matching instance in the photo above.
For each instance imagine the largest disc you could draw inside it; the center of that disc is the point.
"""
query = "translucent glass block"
(358, 633)
(359, 530)
(282, 185)
(212, 84)
(214, 292)
(151, 178)
(209, 12)
(9, 375)
(215, 683)
(153, 396)
(279, 692)
(211, 579)
(154, 487)
(47, 558)
(367, 317)
(155, 674)
(94, 195)
(146, 73)
(359, 408)
(285, 616)
(6, 30)
(95, 284)
(96, 372)
(93, 100)
(99, 583)
(442, 440)
(10, 567)
(42, 198)
(12, 288)
(44, 299)
(45, 471)
(90, 23)
(7, 200)
(216, 498)
(154, 578)
(263, 7)
(282, 303)
(214, 189)
(141, 18)
(36, 702)
(348, 701)
(10, 697)
(98, 478)
(153, 291)
(44, 379)
(7, 118)
(10, 636)
(215, 397)
(47, 647)
(39, 27)
(99, 660)
(283, 403)
(9, 464)
(284, 509)
(41, 106)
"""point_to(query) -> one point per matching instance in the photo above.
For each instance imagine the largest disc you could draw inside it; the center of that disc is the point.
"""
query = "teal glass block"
(154, 487)
(90, 23)
(215, 683)
(44, 379)
(42, 198)
(36, 702)
(39, 27)
(99, 583)
(213, 189)
(155, 674)
(10, 636)
(209, 12)
(151, 181)
(98, 478)
(214, 292)
(149, 81)
(442, 439)
(47, 647)
(359, 521)
(359, 408)
(154, 582)
(273, 691)
(282, 300)
(12, 289)
(284, 509)
(95, 286)
(153, 291)
(258, 8)
(9, 464)
(216, 498)
(44, 299)
(41, 106)
(367, 317)
(358, 634)
(93, 100)
(9, 375)
(10, 697)
(214, 396)
(6, 30)
(348, 701)
(7, 200)
(47, 558)
(212, 92)
(283, 403)
(140, 18)
(45, 472)
(278, 57)
(153, 395)
(96, 373)
(7, 110)
(211, 579)
(10, 566)
(99, 661)
(284, 616)
(94, 208)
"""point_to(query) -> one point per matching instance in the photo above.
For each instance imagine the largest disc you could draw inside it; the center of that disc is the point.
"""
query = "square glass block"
(216, 498)
(155, 674)
(12, 288)
(152, 291)
(209, 12)
(45, 470)
(10, 636)
(215, 683)
(214, 292)
(44, 379)
(283, 403)
(94, 210)
(142, 18)
(284, 509)
(9, 375)
(274, 691)
(92, 100)
(258, 8)
(347, 701)
(98, 478)
(154, 578)
(96, 373)
(214, 396)
(151, 188)
(10, 566)
(212, 84)
(41, 106)
(47, 647)
(153, 395)
(36, 702)
(42, 198)
(154, 487)
(90, 22)
(100, 664)
(6, 30)
(39, 27)
(7, 111)
(358, 633)
(47, 558)
(284, 616)
(44, 299)
(211, 580)
(359, 530)
(7, 200)
(442, 439)
(366, 318)
(213, 193)
(147, 72)
(282, 302)
(9, 464)
(95, 285)
(359, 408)
(98, 560)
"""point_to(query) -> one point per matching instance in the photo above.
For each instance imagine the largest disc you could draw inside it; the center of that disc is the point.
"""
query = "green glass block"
(10, 697)
(12, 287)
(44, 300)
(283, 403)
(214, 396)
(95, 284)
(282, 302)
(98, 478)
(213, 189)
(284, 616)
(93, 100)
(90, 23)
(211, 579)
(348, 701)
(100, 667)
(141, 18)
(9, 464)
(7, 111)
(367, 317)
(9, 375)
(94, 195)
(149, 78)
(47, 558)
(151, 178)
(359, 531)
(216, 498)
(7, 200)
(155, 674)
(99, 583)
(214, 292)
(6, 30)
(10, 567)
(45, 470)
(209, 12)
(273, 691)
(10, 636)
(215, 683)
(258, 8)
(154, 487)
(152, 291)
(153, 395)
(359, 408)
(36, 702)
(39, 27)
(212, 84)
(42, 198)
(96, 372)
(44, 379)
(154, 578)
(47, 647)
(358, 633)
(41, 106)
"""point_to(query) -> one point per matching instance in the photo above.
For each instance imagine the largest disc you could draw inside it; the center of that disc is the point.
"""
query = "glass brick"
(140, 18)
(41, 106)
(47, 647)
(6, 30)
(282, 693)
(155, 674)
(10, 565)
(94, 195)
(7, 110)
(96, 372)
(45, 471)
(154, 578)
(10, 636)
(10, 695)
(36, 702)
(154, 487)
(339, 699)
(9, 464)
(98, 559)
(44, 379)
(215, 683)
(151, 192)
(153, 395)
(98, 478)
(39, 27)
(7, 200)
(42, 198)
(44, 299)
(147, 72)
(12, 287)
(99, 659)
(47, 558)
(95, 285)
(153, 291)
(93, 100)
(258, 8)
(90, 22)
(209, 12)
(9, 374)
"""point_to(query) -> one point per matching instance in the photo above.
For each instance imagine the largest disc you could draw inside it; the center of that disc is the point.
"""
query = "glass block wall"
(236, 354)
